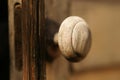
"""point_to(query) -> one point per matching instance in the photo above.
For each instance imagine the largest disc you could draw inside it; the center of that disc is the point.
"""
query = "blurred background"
(103, 60)
(104, 21)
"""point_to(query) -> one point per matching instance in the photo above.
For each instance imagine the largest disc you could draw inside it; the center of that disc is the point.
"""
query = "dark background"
(4, 45)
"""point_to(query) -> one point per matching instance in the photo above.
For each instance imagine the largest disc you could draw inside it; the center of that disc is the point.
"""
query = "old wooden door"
(27, 40)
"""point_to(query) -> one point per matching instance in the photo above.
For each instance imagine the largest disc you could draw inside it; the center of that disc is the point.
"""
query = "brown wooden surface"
(33, 40)
(27, 39)
(18, 36)
(14, 8)
(104, 51)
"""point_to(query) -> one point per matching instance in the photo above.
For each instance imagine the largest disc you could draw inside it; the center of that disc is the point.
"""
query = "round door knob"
(73, 38)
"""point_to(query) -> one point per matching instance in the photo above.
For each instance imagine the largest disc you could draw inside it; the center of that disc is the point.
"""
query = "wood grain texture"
(18, 36)
(15, 48)
(33, 40)
(27, 39)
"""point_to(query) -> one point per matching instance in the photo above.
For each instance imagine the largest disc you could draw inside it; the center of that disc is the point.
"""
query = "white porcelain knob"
(74, 38)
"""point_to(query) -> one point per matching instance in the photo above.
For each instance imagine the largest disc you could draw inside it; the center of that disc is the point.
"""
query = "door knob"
(73, 38)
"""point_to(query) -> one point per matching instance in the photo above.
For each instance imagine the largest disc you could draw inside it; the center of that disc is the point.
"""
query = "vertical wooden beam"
(15, 41)
(27, 39)
(33, 40)
(18, 36)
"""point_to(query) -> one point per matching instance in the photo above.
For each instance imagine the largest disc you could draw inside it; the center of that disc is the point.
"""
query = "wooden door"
(27, 39)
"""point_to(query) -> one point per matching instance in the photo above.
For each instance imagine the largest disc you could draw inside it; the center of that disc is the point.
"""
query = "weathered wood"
(18, 36)
(27, 39)
(33, 40)
(15, 39)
